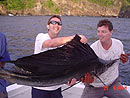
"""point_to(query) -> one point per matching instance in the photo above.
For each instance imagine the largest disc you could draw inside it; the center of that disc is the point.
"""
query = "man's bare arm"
(61, 41)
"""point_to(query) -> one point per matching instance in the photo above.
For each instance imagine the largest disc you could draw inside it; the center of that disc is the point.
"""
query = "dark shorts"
(4, 95)
(37, 93)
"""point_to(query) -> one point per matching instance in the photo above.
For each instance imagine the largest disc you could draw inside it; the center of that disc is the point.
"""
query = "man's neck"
(106, 45)
(51, 35)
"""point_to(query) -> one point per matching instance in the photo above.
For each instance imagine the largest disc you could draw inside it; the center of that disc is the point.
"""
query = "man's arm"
(4, 55)
(124, 58)
(61, 41)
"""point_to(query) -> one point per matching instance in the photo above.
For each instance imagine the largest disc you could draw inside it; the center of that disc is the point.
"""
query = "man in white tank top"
(107, 48)
(46, 42)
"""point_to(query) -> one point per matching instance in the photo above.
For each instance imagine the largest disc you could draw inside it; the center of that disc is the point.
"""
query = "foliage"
(15, 4)
(125, 4)
(75, 1)
(56, 11)
(51, 6)
(30, 3)
(128, 1)
(3, 2)
(18, 4)
(105, 3)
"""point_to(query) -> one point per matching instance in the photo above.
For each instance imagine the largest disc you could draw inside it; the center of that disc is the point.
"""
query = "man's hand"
(83, 39)
(72, 82)
(124, 58)
(87, 78)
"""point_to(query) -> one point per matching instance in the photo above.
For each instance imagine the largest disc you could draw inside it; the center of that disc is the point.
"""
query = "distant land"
(106, 8)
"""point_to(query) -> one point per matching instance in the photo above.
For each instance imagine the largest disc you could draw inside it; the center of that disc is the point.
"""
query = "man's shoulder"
(42, 35)
(95, 43)
(117, 41)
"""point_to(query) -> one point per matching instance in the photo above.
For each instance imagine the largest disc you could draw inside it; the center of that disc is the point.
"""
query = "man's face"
(55, 26)
(104, 34)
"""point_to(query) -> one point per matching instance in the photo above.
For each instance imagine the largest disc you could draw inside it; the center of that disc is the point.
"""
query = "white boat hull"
(22, 91)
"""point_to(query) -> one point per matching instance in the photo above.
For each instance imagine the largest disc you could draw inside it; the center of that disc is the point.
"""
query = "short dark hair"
(105, 22)
(54, 16)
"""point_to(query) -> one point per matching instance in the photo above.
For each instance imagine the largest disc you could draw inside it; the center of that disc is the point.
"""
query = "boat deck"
(21, 91)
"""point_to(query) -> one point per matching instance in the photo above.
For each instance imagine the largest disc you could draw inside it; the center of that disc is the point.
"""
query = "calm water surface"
(22, 30)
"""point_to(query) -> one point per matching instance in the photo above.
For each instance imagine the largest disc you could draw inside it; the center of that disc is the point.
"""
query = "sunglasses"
(56, 22)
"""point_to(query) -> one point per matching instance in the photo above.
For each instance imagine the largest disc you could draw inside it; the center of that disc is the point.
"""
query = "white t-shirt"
(41, 37)
(114, 52)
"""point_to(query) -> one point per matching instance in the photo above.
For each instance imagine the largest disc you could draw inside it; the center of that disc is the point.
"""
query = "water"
(21, 32)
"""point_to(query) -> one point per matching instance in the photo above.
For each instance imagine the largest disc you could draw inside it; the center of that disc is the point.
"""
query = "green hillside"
(66, 7)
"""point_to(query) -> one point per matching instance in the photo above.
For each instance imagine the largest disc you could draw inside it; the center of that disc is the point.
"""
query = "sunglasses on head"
(56, 22)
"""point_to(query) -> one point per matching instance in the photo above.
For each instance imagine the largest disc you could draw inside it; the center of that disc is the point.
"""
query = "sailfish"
(57, 66)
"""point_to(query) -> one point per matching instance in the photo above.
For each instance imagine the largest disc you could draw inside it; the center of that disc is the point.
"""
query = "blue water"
(22, 30)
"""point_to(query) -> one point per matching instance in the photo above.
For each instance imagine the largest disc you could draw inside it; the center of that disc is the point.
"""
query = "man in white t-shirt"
(106, 48)
(46, 42)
